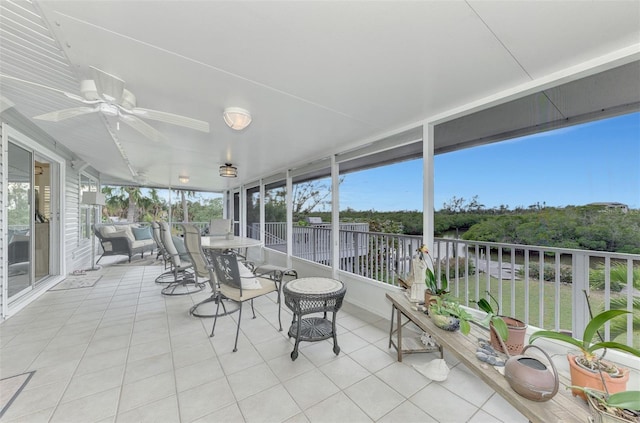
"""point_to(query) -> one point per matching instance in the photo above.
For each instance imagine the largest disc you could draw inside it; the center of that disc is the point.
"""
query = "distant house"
(612, 206)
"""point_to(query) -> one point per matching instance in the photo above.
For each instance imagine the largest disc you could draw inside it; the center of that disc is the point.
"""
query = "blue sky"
(581, 164)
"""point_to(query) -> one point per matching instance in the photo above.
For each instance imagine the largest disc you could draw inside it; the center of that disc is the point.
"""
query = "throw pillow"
(178, 242)
(141, 233)
(247, 278)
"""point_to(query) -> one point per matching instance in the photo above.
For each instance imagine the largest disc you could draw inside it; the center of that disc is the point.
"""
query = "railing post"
(579, 282)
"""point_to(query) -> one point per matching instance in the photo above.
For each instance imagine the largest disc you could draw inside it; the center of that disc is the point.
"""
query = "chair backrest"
(193, 244)
(167, 241)
(226, 268)
(219, 227)
(157, 237)
(255, 255)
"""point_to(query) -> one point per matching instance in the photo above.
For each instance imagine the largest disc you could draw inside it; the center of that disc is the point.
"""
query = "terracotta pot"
(590, 379)
(517, 331)
(429, 298)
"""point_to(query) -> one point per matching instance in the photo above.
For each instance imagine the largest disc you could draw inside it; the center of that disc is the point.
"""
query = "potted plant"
(450, 315)
(430, 281)
(621, 407)
(511, 330)
(588, 369)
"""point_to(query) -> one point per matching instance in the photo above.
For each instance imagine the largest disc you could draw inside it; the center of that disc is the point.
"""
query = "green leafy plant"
(430, 279)
(493, 316)
(452, 308)
(586, 345)
(625, 405)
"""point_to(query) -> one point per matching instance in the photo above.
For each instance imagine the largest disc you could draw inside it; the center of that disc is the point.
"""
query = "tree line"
(135, 204)
(588, 227)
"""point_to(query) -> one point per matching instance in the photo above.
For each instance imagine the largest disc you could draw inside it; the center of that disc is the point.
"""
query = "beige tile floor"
(122, 352)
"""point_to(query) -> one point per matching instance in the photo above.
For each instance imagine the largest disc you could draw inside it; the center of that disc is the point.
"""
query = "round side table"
(313, 295)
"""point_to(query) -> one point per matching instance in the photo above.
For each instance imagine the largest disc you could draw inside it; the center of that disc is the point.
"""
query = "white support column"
(243, 211)
(263, 225)
(289, 205)
(580, 277)
(428, 173)
(227, 206)
(170, 207)
(335, 217)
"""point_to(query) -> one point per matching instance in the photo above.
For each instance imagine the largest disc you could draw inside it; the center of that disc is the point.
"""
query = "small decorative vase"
(601, 416)
(448, 323)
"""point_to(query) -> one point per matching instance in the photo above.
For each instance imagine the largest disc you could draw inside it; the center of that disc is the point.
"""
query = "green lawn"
(596, 299)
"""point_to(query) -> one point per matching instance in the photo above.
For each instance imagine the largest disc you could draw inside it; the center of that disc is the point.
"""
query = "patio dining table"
(235, 243)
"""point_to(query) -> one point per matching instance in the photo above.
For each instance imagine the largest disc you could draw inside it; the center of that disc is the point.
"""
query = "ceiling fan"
(106, 94)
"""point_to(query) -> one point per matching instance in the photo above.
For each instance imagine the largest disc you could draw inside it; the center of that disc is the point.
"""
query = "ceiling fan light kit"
(228, 171)
(88, 90)
(236, 118)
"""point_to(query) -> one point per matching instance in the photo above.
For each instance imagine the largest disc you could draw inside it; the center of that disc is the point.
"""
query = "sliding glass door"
(33, 184)
(19, 220)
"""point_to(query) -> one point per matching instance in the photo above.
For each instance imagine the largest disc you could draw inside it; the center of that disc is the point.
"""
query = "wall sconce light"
(236, 118)
(228, 171)
(183, 179)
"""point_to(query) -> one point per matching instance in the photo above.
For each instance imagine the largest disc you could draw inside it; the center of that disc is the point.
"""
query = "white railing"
(556, 300)
(542, 286)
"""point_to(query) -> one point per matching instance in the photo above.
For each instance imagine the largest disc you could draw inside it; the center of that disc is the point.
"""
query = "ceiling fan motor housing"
(109, 109)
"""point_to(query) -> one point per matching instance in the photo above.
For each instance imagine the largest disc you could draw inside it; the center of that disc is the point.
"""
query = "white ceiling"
(318, 77)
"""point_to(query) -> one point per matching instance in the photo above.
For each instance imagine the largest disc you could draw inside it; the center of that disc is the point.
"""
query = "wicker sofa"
(126, 239)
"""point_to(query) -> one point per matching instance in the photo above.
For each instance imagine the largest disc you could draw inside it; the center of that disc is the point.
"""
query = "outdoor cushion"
(115, 234)
(247, 278)
(141, 243)
(107, 229)
(141, 233)
(128, 233)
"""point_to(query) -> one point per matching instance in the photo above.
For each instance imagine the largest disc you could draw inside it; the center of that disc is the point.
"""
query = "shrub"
(618, 277)
(549, 272)
(460, 263)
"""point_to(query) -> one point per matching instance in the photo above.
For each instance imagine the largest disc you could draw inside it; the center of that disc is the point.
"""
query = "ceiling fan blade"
(35, 84)
(171, 118)
(59, 115)
(109, 87)
(142, 127)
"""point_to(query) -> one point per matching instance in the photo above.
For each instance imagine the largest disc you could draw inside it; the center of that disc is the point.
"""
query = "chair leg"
(279, 309)
(215, 319)
(235, 347)
(252, 309)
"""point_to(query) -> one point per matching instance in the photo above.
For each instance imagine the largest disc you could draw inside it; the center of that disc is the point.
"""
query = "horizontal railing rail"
(542, 286)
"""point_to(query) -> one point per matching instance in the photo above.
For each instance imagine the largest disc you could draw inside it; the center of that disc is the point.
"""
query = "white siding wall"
(3, 260)
(78, 250)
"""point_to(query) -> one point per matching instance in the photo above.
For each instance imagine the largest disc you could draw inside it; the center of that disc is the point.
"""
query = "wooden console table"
(561, 408)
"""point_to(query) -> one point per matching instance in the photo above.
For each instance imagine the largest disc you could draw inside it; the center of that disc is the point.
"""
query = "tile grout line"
(59, 401)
